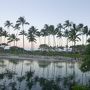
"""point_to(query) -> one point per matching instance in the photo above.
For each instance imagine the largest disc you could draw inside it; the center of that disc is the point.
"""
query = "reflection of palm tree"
(29, 79)
(43, 64)
(60, 66)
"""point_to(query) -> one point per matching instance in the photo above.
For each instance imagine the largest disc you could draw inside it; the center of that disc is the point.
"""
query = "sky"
(40, 12)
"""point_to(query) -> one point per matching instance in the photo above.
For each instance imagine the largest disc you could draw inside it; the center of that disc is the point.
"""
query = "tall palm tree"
(8, 24)
(21, 21)
(86, 32)
(44, 33)
(24, 34)
(59, 35)
(67, 25)
(46, 28)
(1, 33)
(31, 35)
(17, 27)
(31, 38)
(66, 34)
(59, 31)
(53, 32)
(74, 35)
(32, 30)
(80, 28)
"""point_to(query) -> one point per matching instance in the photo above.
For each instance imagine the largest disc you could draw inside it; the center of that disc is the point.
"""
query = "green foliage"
(79, 87)
(87, 50)
(85, 66)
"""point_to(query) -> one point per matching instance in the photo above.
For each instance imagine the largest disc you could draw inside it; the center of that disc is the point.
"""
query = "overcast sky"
(40, 12)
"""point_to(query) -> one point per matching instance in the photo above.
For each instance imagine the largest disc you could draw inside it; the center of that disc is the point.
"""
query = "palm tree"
(74, 35)
(86, 32)
(1, 33)
(53, 32)
(44, 33)
(66, 34)
(80, 28)
(31, 38)
(59, 32)
(59, 35)
(38, 34)
(21, 21)
(12, 38)
(31, 35)
(24, 34)
(66, 26)
(17, 27)
(46, 28)
(8, 24)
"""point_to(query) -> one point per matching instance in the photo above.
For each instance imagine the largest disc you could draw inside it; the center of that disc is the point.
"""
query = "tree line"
(68, 29)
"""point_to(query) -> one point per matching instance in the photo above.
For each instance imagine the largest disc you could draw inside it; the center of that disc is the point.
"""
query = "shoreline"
(39, 58)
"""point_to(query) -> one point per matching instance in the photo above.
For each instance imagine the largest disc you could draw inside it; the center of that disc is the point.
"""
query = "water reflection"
(40, 75)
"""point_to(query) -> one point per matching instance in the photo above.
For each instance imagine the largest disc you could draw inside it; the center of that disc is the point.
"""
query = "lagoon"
(40, 75)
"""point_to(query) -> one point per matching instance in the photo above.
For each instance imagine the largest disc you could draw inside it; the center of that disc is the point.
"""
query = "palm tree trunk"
(54, 42)
(1, 41)
(82, 40)
(86, 40)
(74, 46)
(14, 43)
(48, 40)
(23, 37)
(45, 40)
(39, 41)
(23, 41)
(67, 45)
(31, 46)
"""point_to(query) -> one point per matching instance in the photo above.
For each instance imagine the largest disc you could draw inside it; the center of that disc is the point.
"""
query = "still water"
(40, 75)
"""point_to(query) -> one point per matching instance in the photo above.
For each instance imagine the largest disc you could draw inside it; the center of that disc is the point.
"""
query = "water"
(40, 75)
